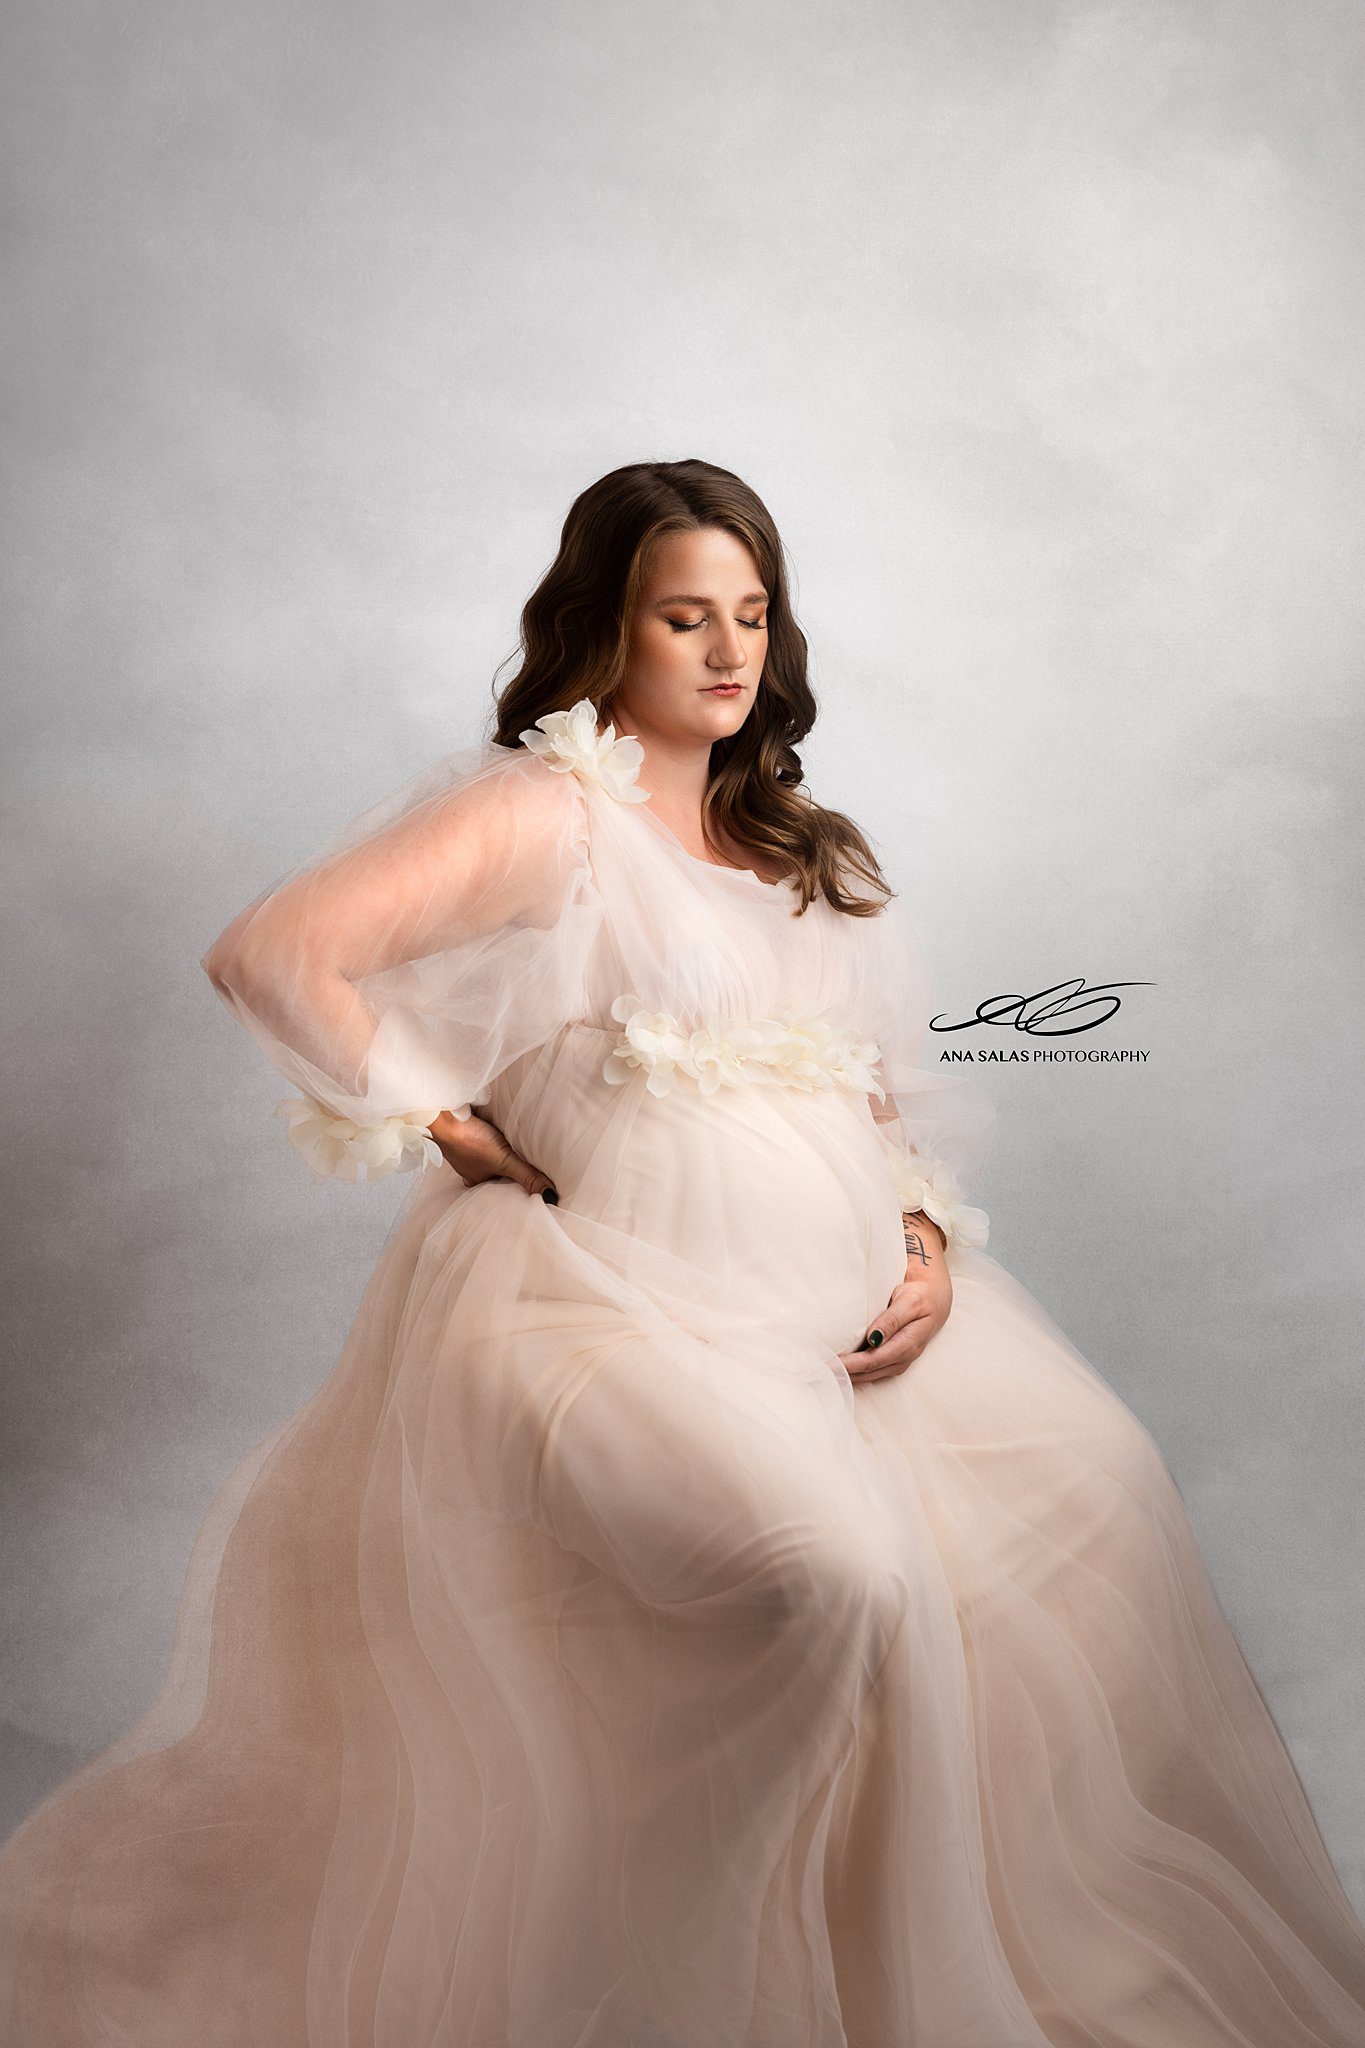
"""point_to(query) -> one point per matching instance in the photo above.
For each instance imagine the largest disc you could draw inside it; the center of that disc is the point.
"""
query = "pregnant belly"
(781, 1201)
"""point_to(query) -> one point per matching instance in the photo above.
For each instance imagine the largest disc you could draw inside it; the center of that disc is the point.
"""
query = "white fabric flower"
(744, 1052)
(930, 1185)
(822, 1052)
(569, 742)
(652, 1041)
(338, 1148)
(794, 1049)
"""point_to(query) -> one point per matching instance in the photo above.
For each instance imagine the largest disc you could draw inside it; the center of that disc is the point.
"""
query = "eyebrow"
(753, 597)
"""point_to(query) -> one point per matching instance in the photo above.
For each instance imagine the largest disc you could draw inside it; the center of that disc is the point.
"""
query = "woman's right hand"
(478, 1151)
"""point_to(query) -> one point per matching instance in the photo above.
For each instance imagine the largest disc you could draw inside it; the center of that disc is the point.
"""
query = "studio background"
(1038, 327)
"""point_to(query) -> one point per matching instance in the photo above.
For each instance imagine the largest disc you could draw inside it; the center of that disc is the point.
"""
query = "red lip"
(723, 690)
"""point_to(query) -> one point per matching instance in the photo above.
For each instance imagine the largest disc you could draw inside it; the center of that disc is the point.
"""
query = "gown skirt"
(588, 1663)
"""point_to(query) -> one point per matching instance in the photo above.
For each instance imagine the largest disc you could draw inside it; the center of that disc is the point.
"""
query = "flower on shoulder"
(339, 1148)
(569, 743)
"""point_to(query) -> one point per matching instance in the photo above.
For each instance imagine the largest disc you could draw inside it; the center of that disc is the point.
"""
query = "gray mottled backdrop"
(1039, 327)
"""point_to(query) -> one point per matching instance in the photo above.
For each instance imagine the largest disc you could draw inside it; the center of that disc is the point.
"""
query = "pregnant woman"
(709, 1604)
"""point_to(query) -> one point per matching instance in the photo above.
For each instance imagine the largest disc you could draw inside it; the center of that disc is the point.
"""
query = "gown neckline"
(713, 867)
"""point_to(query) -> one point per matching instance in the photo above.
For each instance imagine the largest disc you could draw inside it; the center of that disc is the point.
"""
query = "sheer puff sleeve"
(936, 1123)
(439, 937)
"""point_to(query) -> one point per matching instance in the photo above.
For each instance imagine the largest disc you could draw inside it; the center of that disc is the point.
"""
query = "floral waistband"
(804, 1049)
(793, 1048)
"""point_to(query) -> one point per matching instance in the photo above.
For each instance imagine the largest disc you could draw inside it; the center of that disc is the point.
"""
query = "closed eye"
(682, 625)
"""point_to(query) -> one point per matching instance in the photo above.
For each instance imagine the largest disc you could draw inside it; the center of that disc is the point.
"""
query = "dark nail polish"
(548, 1195)
(875, 1337)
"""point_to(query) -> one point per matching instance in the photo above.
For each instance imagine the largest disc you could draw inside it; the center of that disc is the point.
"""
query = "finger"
(514, 1167)
(907, 1307)
(885, 1326)
(867, 1367)
(494, 1159)
(895, 1352)
(870, 1379)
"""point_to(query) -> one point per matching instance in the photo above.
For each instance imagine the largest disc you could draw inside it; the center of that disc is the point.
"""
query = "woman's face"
(698, 640)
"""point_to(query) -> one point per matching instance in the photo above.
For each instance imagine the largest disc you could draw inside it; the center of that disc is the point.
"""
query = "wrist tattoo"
(916, 1246)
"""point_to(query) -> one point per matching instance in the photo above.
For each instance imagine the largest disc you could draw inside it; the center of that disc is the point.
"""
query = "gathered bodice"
(525, 891)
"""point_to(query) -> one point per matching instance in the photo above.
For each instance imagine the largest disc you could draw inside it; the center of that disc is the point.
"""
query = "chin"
(728, 711)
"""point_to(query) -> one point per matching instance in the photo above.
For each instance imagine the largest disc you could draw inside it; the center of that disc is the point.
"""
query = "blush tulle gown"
(587, 1664)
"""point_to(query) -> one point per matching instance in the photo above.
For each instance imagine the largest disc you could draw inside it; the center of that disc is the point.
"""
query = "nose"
(728, 652)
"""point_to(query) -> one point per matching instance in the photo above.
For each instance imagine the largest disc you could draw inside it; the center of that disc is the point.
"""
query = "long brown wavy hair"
(575, 632)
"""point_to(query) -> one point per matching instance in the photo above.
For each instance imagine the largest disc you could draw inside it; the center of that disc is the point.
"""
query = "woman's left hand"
(918, 1308)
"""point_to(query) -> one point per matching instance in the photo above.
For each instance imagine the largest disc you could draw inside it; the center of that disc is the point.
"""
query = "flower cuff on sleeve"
(929, 1185)
(339, 1148)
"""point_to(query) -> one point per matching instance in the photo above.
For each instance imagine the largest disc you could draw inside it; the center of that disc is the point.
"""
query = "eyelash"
(681, 626)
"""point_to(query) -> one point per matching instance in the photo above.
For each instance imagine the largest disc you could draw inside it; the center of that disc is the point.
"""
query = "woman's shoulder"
(509, 797)
(500, 799)
(510, 782)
